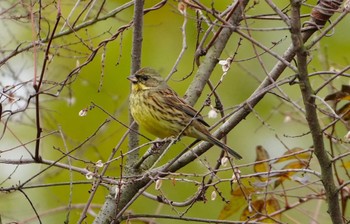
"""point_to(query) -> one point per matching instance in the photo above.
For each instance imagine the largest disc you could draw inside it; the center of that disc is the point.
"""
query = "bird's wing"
(173, 100)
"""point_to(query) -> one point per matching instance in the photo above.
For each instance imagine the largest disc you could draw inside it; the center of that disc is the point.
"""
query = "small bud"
(224, 161)
(287, 119)
(83, 112)
(181, 7)
(158, 184)
(212, 114)
(89, 175)
(236, 175)
(234, 178)
(250, 209)
(99, 164)
(225, 66)
(213, 195)
(116, 191)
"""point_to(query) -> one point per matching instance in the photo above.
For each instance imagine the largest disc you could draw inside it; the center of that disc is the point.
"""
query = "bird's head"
(146, 78)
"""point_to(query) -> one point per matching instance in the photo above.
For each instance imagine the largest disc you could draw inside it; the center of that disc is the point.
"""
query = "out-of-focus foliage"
(82, 111)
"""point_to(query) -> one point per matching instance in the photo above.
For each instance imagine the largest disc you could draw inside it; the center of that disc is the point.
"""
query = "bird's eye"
(145, 77)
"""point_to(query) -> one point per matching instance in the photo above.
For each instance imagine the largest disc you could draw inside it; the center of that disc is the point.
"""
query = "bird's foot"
(173, 139)
(158, 144)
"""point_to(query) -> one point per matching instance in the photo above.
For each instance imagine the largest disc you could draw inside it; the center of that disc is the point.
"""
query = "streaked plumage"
(157, 108)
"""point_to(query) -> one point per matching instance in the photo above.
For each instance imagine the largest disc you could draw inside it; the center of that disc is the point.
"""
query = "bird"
(160, 111)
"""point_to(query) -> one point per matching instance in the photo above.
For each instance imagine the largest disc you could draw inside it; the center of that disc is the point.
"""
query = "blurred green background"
(162, 44)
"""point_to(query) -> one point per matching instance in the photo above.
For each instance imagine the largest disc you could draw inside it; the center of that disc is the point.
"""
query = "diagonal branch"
(311, 115)
(247, 106)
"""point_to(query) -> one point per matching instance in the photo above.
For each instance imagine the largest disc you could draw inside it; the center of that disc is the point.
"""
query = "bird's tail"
(215, 141)
(209, 138)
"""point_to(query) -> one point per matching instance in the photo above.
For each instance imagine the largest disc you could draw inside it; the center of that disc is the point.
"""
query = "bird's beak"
(132, 78)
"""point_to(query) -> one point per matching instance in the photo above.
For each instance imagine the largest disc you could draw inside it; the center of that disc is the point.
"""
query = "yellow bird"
(157, 108)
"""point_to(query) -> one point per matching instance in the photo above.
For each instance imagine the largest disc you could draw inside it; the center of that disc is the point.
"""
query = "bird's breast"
(150, 114)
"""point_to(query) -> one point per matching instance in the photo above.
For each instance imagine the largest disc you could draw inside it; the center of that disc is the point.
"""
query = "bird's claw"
(158, 144)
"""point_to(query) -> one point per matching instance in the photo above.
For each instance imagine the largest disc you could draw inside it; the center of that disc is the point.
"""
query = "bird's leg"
(159, 143)
(173, 139)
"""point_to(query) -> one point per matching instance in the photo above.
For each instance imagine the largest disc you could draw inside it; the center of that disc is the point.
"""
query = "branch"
(311, 115)
(136, 65)
(246, 107)
(88, 23)
(124, 194)
(111, 207)
(37, 85)
(212, 57)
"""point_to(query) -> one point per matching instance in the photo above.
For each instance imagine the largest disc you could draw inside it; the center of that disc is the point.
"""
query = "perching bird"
(157, 108)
